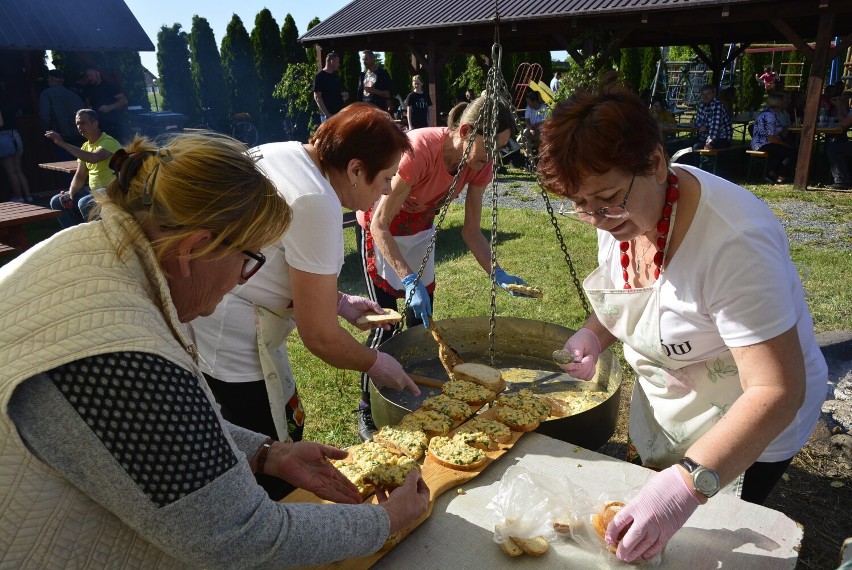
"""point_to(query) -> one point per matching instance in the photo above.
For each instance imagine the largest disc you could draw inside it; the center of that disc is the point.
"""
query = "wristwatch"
(704, 480)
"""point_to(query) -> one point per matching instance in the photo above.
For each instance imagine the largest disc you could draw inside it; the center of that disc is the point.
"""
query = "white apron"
(273, 326)
(412, 248)
(674, 402)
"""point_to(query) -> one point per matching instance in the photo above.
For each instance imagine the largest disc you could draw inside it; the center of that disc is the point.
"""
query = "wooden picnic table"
(67, 166)
(677, 128)
(13, 217)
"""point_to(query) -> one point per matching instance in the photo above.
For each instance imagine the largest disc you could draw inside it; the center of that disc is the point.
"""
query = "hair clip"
(163, 155)
(125, 165)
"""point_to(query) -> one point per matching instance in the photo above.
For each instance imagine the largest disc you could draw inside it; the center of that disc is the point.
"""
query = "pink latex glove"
(586, 348)
(651, 519)
(387, 372)
(350, 307)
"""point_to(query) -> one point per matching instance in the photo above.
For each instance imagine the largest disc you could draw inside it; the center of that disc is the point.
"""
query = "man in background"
(108, 100)
(713, 122)
(374, 84)
(554, 83)
(57, 109)
(93, 171)
(328, 88)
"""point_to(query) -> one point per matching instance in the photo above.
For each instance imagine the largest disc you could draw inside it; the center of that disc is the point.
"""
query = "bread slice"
(455, 454)
(456, 409)
(390, 474)
(498, 432)
(388, 317)
(527, 290)
(535, 546)
(517, 420)
(527, 401)
(467, 392)
(355, 473)
(405, 441)
(477, 439)
(480, 374)
(601, 520)
(430, 422)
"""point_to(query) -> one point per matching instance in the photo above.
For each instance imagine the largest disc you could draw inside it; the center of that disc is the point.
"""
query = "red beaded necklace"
(663, 226)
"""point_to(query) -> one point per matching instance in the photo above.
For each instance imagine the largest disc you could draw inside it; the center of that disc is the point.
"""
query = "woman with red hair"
(695, 280)
(349, 162)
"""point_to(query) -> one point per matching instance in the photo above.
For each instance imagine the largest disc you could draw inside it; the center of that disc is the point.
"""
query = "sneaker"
(366, 427)
(840, 186)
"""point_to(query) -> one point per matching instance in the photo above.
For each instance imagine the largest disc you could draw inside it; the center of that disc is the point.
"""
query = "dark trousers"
(701, 141)
(760, 479)
(246, 404)
(387, 301)
(780, 159)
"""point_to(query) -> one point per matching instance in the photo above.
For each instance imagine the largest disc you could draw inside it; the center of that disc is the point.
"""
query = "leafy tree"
(207, 75)
(650, 57)
(750, 93)
(301, 108)
(173, 69)
(400, 73)
(630, 68)
(238, 65)
(293, 50)
(448, 95)
(269, 61)
(473, 76)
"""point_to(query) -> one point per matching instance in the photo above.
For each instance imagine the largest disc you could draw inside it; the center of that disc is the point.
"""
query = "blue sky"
(153, 14)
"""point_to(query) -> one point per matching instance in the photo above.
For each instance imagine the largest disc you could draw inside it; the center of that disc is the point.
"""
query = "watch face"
(706, 482)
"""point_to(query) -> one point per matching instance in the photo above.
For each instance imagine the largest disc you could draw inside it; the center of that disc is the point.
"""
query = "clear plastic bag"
(530, 504)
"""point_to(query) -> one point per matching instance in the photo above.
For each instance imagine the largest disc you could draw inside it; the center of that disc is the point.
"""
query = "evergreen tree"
(400, 73)
(630, 68)
(750, 93)
(238, 66)
(293, 50)
(269, 60)
(173, 69)
(207, 75)
(349, 71)
(310, 51)
(448, 95)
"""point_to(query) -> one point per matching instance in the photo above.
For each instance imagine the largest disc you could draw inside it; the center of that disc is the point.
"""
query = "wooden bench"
(710, 157)
(13, 217)
(6, 249)
(759, 159)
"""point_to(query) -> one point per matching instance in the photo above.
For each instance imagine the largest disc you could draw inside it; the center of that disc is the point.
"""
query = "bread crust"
(527, 290)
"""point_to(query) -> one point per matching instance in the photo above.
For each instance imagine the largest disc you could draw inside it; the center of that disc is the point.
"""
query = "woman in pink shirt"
(394, 235)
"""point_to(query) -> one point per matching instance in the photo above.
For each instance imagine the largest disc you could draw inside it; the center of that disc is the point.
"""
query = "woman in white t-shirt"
(695, 279)
(349, 162)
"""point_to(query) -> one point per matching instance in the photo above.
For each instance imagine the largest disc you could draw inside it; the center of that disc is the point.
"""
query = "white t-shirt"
(227, 339)
(732, 284)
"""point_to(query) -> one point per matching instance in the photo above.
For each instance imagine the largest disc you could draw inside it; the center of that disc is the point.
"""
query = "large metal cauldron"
(523, 351)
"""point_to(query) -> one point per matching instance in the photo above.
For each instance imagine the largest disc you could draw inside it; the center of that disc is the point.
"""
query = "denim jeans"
(78, 213)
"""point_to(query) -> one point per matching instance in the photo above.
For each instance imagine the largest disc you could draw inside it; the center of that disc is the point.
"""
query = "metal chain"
(448, 199)
(492, 96)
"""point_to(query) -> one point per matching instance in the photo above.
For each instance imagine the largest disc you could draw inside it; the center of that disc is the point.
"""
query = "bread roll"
(535, 546)
(601, 520)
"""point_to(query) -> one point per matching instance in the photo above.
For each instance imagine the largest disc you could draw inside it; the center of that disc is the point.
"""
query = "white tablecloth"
(724, 533)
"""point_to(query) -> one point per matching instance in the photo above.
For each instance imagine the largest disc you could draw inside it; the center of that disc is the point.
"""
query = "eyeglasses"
(612, 212)
(251, 265)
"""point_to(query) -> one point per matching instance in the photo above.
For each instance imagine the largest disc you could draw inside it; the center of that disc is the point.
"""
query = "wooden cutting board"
(439, 479)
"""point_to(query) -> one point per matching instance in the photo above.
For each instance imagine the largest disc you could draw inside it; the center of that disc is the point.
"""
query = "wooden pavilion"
(434, 30)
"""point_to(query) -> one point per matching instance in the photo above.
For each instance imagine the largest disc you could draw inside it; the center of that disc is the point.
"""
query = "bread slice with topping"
(430, 422)
(467, 392)
(517, 419)
(527, 401)
(480, 374)
(456, 409)
(498, 432)
(389, 474)
(405, 441)
(456, 454)
(355, 473)
(477, 439)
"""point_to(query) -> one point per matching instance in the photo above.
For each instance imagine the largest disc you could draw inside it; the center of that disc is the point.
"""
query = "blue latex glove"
(420, 304)
(504, 279)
